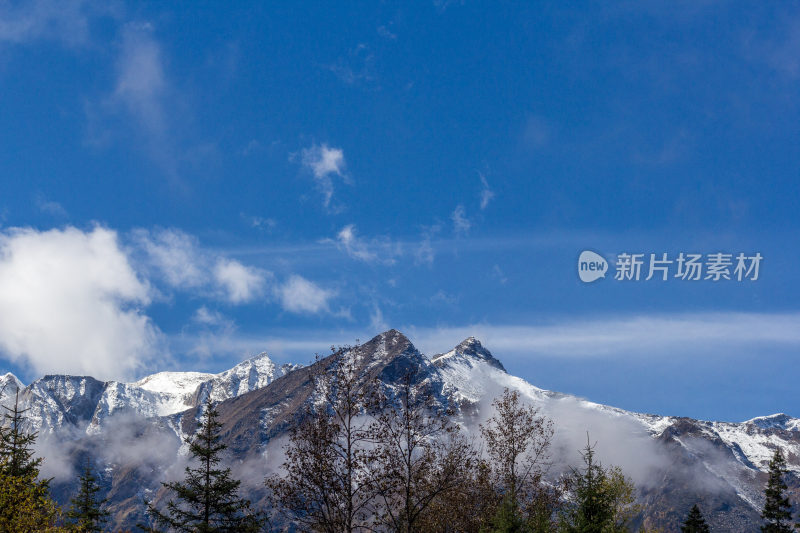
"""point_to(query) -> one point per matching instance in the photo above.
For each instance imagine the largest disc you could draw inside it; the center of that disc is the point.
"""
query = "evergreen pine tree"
(602, 499)
(16, 445)
(593, 511)
(87, 511)
(695, 523)
(777, 512)
(207, 500)
(507, 519)
(25, 503)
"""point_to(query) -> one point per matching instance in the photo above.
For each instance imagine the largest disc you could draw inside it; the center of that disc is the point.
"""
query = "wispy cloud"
(653, 335)
(263, 223)
(424, 251)
(386, 33)
(143, 108)
(175, 256)
(141, 82)
(461, 224)
(356, 67)
(376, 250)
(498, 274)
(712, 334)
(50, 207)
(66, 21)
(324, 162)
(486, 193)
(208, 317)
(376, 320)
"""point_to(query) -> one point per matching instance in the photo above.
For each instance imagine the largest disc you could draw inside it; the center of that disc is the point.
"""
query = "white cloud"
(207, 317)
(653, 335)
(62, 20)
(486, 193)
(262, 223)
(354, 246)
(175, 255)
(376, 321)
(70, 302)
(140, 83)
(50, 207)
(240, 283)
(178, 259)
(377, 250)
(300, 295)
(324, 162)
(424, 252)
(461, 223)
(498, 274)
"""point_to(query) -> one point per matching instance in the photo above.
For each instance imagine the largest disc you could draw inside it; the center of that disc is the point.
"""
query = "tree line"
(366, 456)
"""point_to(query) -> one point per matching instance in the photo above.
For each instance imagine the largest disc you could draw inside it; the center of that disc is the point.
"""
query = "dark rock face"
(709, 463)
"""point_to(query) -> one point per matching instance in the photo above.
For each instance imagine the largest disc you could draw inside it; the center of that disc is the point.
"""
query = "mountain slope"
(138, 430)
(85, 404)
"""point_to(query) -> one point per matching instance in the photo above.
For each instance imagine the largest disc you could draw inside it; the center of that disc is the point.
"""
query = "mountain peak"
(776, 421)
(393, 337)
(10, 384)
(469, 348)
(390, 353)
(8, 377)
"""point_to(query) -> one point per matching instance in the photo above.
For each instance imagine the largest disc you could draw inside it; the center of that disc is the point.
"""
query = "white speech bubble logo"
(591, 266)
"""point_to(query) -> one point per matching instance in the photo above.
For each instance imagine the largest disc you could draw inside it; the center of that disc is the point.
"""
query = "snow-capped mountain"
(674, 461)
(9, 385)
(84, 403)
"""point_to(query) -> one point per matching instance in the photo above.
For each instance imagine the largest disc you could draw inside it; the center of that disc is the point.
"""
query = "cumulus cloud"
(182, 263)
(324, 163)
(461, 223)
(240, 283)
(300, 295)
(70, 302)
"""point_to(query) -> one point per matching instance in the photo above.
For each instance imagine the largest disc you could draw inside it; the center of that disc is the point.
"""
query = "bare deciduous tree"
(324, 487)
(419, 454)
(517, 441)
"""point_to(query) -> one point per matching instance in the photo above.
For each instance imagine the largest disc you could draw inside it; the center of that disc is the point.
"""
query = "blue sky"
(182, 186)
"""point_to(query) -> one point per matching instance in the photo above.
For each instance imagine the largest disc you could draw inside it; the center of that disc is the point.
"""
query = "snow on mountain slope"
(9, 385)
(173, 383)
(734, 454)
(254, 373)
(59, 400)
(85, 404)
(675, 461)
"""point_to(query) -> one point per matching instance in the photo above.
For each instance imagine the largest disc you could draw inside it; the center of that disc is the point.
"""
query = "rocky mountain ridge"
(674, 461)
